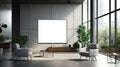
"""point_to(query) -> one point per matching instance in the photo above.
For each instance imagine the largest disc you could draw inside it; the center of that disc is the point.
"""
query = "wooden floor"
(59, 60)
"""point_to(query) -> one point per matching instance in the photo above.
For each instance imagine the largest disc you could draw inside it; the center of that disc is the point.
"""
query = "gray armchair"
(91, 51)
(21, 52)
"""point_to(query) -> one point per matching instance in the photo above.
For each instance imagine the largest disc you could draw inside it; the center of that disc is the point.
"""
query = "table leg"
(115, 59)
(41, 51)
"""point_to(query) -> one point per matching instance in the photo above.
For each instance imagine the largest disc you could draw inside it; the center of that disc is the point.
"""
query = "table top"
(115, 54)
(6, 41)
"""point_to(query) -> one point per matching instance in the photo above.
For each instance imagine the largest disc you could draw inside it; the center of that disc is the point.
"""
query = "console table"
(60, 49)
(6, 44)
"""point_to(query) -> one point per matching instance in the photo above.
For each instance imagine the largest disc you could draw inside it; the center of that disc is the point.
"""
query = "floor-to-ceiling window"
(118, 4)
(118, 29)
(103, 30)
(86, 14)
(112, 5)
(103, 7)
(107, 21)
(103, 22)
(112, 36)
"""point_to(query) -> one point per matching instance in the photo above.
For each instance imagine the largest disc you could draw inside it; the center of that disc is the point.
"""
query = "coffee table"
(42, 51)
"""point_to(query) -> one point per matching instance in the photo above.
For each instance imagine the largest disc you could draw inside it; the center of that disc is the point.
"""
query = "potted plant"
(21, 39)
(76, 46)
(2, 38)
(83, 35)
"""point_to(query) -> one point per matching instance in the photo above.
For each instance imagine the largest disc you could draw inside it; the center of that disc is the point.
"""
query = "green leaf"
(83, 35)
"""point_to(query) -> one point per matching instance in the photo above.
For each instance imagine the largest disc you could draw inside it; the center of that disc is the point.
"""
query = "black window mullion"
(109, 23)
(97, 21)
(115, 23)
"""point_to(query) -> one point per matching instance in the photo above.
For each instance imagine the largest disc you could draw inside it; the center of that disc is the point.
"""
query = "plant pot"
(1, 51)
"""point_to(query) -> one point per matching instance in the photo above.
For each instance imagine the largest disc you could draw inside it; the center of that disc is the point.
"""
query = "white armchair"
(21, 52)
(91, 52)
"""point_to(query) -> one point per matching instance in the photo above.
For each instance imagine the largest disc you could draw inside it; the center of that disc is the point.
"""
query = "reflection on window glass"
(118, 28)
(89, 25)
(103, 31)
(112, 5)
(89, 9)
(85, 24)
(85, 11)
(118, 21)
(118, 3)
(103, 7)
(95, 28)
(112, 29)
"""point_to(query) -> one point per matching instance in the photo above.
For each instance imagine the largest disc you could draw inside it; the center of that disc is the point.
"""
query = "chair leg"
(27, 58)
(95, 58)
(17, 58)
(80, 57)
(89, 58)
(107, 57)
(31, 57)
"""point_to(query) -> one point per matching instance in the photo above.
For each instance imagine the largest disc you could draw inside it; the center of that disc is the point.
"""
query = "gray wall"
(30, 14)
(5, 17)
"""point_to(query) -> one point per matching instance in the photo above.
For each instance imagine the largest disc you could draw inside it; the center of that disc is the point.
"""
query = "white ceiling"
(45, 1)
(51, 1)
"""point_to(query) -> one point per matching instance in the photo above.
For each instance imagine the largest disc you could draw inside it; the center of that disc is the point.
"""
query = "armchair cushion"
(84, 54)
(22, 52)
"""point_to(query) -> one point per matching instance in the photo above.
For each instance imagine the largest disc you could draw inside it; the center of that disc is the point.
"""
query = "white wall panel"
(6, 18)
(63, 12)
(24, 17)
(38, 12)
(30, 14)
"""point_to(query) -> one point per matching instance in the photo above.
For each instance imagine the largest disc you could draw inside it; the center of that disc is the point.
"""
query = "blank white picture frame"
(52, 31)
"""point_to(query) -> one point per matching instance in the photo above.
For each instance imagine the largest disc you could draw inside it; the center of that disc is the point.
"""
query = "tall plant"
(83, 35)
(22, 40)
